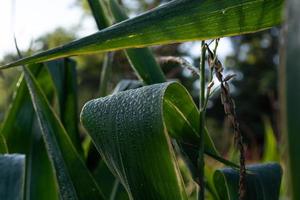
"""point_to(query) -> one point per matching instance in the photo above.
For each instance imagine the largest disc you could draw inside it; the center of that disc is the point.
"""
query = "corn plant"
(142, 130)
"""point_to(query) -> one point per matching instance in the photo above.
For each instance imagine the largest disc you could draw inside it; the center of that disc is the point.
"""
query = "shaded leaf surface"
(289, 82)
(12, 176)
(262, 182)
(64, 75)
(107, 180)
(23, 137)
(74, 179)
(17, 124)
(40, 178)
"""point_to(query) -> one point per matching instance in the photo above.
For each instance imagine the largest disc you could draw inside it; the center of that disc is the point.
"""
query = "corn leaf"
(99, 14)
(262, 182)
(191, 148)
(130, 128)
(98, 10)
(129, 131)
(142, 59)
(3, 145)
(74, 179)
(12, 176)
(40, 179)
(176, 21)
(64, 75)
(270, 153)
(18, 121)
(290, 97)
(23, 137)
(106, 73)
(107, 182)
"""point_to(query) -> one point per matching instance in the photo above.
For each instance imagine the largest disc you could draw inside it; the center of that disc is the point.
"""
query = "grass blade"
(105, 73)
(106, 181)
(142, 59)
(18, 120)
(12, 176)
(177, 21)
(73, 177)
(23, 137)
(40, 178)
(3, 145)
(97, 9)
(270, 153)
(64, 76)
(290, 97)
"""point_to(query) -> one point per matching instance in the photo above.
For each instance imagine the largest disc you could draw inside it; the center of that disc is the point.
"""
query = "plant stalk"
(105, 73)
(201, 123)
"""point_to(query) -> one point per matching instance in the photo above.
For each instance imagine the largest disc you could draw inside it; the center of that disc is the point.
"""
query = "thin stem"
(202, 75)
(211, 71)
(105, 73)
(202, 122)
(114, 191)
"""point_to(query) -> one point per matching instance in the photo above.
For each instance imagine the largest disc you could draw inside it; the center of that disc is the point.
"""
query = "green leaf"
(262, 182)
(98, 10)
(18, 121)
(100, 17)
(64, 75)
(130, 133)
(40, 179)
(176, 21)
(106, 73)
(3, 145)
(74, 179)
(270, 153)
(289, 75)
(12, 176)
(129, 127)
(107, 182)
(23, 137)
(142, 59)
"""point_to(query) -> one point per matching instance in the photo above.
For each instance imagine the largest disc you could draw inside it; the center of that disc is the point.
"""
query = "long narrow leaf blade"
(23, 137)
(106, 181)
(40, 179)
(290, 97)
(73, 177)
(3, 145)
(98, 12)
(142, 59)
(12, 176)
(18, 121)
(177, 21)
(63, 73)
